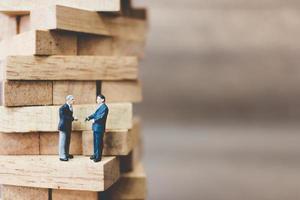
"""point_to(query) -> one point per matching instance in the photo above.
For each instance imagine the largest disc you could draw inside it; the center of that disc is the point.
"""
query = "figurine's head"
(70, 99)
(100, 99)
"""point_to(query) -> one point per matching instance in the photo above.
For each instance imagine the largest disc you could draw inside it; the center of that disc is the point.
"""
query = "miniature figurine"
(99, 127)
(65, 128)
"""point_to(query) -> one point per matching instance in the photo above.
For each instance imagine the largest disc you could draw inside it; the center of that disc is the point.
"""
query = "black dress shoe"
(70, 156)
(92, 157)
(63, 159)
(97, 160)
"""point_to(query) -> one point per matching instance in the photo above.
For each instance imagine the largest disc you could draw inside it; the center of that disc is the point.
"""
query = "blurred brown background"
(221, 109)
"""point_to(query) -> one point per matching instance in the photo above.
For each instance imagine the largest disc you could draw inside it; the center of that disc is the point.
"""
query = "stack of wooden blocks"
(48, 50)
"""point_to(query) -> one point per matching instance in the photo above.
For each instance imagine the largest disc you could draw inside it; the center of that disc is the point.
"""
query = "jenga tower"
(48, 50)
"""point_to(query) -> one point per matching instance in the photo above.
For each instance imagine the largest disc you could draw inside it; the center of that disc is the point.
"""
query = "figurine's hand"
(75, 119)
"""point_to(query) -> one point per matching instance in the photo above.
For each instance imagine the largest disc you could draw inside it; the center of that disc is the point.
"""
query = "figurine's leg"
(97, 145)
(101, 135)
(68, 141)
(94, 140)
(62, 145)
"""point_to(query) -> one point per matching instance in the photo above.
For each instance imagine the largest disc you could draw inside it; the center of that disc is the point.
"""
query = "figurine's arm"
(92, 116)
(101, 114)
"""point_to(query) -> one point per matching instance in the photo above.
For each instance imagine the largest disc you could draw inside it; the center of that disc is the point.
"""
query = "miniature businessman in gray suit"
(99, 124)
(65, 128)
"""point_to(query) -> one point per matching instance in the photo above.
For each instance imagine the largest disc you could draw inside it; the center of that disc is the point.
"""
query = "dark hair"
(101, 96)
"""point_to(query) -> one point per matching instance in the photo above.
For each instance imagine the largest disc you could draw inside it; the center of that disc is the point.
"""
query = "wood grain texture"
(123, 47)
(27, 93)
(45, 118)
(122, 91)
(39, 43)
(69, 19)
(95, 45)
(84, 92)
(118, 143)
(19, 144)
(129, 38)
(46, 143)
(127, 28)
(10, 192)
(49, 143)
(108, 46)
(119, 117)
(16, 7)
(132, 185)
(48, 172)
(71, 68)
(73, 195)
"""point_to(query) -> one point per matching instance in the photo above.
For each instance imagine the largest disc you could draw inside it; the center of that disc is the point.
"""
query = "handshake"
(86, 119)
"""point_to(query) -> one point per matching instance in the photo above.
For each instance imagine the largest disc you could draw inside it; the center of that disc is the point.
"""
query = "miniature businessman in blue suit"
(65, 128)
(99, 124)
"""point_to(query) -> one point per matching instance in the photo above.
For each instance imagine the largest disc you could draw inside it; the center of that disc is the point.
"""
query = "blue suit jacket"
(99, 117)
(65, 118)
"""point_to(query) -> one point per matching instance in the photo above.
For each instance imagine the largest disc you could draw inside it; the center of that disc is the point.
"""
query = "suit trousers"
(64, 144)
(98, 144)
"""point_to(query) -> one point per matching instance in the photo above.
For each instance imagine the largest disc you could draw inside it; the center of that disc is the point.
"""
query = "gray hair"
(69, 98)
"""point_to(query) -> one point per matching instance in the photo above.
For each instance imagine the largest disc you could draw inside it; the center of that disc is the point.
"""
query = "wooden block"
(73, 195)
(129, 38)
(122, 91)
(24, 23)
(108, 46)
(110, 5)
(48, 172)
(128, 162)
(49, 143)
(19, 143)
(39, 43)
(115, 143)
(69, 19)
(45, 118)
(84, 92)
(122, 47)
(21, 7)
(119, 117)
(27, 93)
(128, 9)
(71, 68)
(139, 13)
(95, 45)
(8, 26)
(132, 185)
(10, 192)
(127, 28)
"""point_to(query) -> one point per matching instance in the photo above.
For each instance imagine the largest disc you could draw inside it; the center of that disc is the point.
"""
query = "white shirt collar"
(70, 107)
